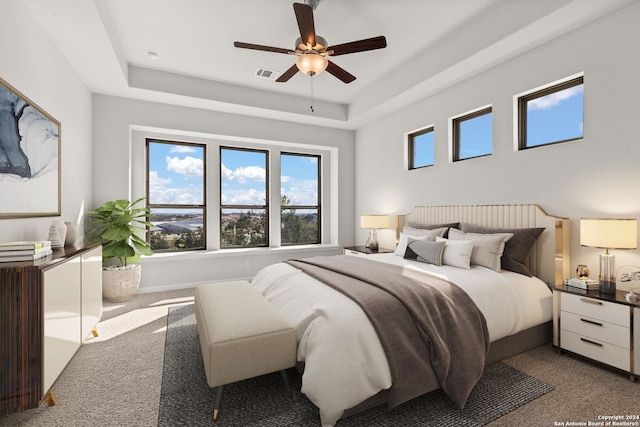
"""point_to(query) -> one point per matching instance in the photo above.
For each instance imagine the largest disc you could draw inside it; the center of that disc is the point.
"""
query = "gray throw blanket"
(427, 326)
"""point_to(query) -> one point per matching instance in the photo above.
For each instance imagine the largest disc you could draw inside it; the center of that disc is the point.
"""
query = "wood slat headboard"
(549, 260)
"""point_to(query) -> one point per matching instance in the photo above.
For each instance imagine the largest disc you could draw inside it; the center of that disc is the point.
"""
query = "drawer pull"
(591, 342)
(591, 301)
(590, 322)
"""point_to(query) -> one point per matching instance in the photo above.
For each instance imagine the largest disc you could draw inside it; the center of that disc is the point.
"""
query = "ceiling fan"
(312, 50)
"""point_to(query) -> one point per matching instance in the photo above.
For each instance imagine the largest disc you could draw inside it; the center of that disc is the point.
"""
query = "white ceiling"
(431, 44)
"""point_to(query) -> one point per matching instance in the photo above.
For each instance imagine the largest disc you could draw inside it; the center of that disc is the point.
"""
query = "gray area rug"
(187, 400)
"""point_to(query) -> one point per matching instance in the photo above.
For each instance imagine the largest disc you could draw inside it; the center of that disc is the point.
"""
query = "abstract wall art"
(29, 157)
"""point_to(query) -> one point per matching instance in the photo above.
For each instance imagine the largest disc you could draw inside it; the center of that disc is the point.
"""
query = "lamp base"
(372, 242)
(607, 287)
(607, 274)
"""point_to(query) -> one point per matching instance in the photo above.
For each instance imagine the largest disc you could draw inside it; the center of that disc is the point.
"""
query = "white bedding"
(344, 360)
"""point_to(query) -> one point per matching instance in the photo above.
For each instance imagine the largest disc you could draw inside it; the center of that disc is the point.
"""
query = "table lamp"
(608, 233)
(373, 222)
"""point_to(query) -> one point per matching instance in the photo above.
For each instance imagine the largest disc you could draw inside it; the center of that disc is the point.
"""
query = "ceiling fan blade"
(340, 73)
(263, 48)
(304, 16)
(288, 74)
(359, 46)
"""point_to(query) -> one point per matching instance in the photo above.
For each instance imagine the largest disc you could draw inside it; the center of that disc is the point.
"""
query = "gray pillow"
(425, 251)
(432, 226)
(517, 249)
(487, 248)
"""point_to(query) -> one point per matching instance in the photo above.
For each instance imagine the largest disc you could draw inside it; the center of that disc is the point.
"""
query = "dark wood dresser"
(47, 309)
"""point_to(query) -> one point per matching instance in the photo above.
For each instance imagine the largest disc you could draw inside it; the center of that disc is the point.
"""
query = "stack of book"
(585, 284)
(24, 251)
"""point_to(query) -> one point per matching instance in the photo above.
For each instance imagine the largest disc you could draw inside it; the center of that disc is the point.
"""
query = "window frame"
(222, 206)
(203, 206)
(455, 131)
(318, 207)
(411, 143)
(523, 100)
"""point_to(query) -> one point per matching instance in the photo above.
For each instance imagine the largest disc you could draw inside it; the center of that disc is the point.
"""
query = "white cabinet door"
(61, 289)
(91, 290)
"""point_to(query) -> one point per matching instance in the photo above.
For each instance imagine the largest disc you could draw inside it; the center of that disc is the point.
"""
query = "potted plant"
(117, 225)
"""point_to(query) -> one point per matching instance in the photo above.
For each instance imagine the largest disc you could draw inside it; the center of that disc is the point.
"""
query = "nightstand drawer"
(596, 309)
(597, 350)
(596, 329)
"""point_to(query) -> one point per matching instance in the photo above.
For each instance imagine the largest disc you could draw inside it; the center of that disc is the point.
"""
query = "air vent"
(267, 74)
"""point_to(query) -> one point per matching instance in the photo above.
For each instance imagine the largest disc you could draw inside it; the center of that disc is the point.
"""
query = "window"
(552, 115)
(300, 199)
(244, 198)
(175, 195)
(421, 148)
(472, 135)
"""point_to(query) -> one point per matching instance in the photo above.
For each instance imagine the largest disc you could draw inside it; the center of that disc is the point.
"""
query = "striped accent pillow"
(425, 251)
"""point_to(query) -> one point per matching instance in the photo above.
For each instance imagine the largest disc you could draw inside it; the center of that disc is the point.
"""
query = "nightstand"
(361, 250)
(600, 327)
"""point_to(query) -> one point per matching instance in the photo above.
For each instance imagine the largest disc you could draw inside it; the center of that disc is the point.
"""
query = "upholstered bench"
(241, 334)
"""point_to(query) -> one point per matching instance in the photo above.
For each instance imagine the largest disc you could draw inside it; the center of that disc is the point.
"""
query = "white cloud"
(182, 149)
(301, 192)
(554, 99)
(253, 173)
(243, 197)
(156, 181)
(188, 166)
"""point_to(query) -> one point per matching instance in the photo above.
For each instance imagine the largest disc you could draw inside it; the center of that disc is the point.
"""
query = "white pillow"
(422, 234)
(457, 253)
(487, 248)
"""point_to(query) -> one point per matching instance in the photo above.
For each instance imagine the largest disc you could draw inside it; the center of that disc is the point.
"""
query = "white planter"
(119, 284)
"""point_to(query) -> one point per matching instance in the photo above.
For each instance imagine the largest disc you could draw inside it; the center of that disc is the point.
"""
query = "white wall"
(32, 64)
(598, 176)
(118, 170)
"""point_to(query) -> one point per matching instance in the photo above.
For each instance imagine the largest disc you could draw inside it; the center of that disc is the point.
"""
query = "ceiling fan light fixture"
(312, 63)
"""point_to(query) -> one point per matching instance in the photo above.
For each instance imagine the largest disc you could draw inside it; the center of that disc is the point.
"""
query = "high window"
(421, 148)
(244, 198)
(176, 181)
(472, 135)
(552, 115)
(299, 198)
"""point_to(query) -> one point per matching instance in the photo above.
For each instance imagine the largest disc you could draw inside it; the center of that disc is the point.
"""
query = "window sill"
(222, 253)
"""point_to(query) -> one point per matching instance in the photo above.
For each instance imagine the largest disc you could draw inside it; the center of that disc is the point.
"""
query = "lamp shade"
(374, 221)
(609, 233)
(312, 63)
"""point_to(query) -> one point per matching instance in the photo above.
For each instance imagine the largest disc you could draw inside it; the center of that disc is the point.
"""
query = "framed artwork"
(29, 157)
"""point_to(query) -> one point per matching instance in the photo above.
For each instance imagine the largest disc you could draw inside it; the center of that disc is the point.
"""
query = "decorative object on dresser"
(608, 233)
(582, 272)
(597, 326)
(72, 234)
(48, 307)
(373, 222)
(29, 157)
(116, 225)
(25, 250)
(630, 280)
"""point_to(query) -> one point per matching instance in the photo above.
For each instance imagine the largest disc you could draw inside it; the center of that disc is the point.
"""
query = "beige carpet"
(115, 379)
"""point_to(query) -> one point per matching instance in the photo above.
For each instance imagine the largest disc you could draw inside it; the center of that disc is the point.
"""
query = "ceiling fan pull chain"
(311, 100)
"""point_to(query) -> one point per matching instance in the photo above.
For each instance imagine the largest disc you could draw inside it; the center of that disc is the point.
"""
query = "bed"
(345, 366)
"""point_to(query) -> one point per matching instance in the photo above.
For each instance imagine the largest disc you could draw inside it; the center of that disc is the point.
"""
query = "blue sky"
(555, 117)
(176, 176)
